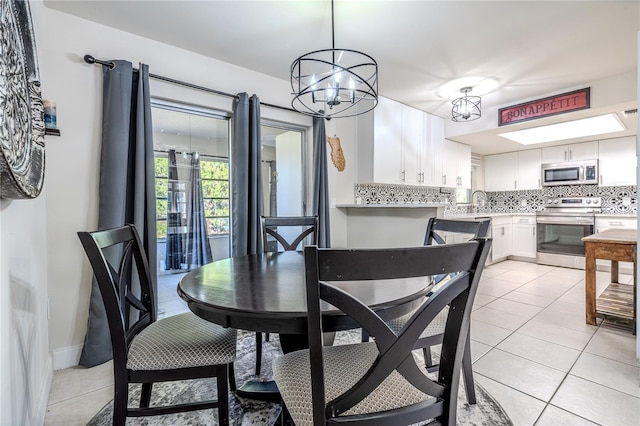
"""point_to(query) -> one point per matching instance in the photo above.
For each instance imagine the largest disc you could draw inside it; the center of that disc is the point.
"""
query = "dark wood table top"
(266, 292)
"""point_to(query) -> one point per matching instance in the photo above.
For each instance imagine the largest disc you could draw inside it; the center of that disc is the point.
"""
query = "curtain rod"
(91, 60)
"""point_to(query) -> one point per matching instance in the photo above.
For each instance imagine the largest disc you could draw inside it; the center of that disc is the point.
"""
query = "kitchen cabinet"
(456, 165)
(573, 152)
(398, 144)
(617, 161)
(524, 236)
(501, 233)
(513, 170)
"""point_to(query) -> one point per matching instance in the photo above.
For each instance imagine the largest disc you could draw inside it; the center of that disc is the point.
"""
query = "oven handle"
(565, 221)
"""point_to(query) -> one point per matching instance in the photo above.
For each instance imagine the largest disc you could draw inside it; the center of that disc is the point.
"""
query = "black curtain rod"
(91, 60)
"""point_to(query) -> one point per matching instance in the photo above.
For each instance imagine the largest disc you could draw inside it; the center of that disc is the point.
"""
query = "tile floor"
(531, 348)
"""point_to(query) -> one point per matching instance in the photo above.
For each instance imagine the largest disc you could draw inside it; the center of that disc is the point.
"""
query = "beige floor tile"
(567, 273)
(545, 289)
(75, 381)
(555, 334)
(483, 299)
(513, 307)
(478, 350)
(554, 416)
(518, 277)
(597, 403)
(519, 373)
(487, 333)
(566, 319)
(614, 344)
(499, 318)
(575, 308)
(78, 411)
(608, 372)
(546, 353)
(522, 409)
(529, 299)
(491, 271)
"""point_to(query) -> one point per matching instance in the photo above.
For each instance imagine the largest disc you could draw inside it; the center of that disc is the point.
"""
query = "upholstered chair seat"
(194, 342)
(292, 373)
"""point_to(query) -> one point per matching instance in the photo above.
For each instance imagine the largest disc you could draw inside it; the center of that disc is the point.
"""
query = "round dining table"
(266, 292)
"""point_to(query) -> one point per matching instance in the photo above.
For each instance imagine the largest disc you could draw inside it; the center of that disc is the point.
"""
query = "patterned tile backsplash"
(615, 199)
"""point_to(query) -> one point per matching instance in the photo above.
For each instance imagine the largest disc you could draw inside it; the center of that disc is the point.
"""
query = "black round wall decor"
(22, 115)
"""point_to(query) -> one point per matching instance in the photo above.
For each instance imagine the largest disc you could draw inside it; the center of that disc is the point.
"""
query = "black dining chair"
(147, 350)
(445, 231)
(274, 240)
(380, 382)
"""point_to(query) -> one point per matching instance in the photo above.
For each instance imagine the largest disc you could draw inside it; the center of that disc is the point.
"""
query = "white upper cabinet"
(577, 151)
(617, 161)
(512, 170)
(398, 144)
(500, 172)
(456, 165)
(529, 169)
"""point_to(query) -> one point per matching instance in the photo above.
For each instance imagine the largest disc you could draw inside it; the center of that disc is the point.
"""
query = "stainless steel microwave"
(570, 173)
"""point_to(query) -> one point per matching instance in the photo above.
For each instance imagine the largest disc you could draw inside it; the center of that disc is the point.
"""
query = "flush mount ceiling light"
(466, 108)
(334, 82)
(571, 129)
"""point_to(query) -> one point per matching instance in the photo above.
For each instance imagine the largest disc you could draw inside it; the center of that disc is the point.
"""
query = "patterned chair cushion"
(181, 341)
(435, 327)
(344, 366)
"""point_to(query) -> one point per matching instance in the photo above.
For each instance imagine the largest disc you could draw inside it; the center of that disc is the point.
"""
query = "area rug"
(246, 412)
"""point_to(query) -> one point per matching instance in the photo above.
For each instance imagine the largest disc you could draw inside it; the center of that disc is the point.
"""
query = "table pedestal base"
(260, 391)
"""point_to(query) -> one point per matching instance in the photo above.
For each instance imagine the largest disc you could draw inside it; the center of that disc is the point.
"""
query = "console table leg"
(590, 283)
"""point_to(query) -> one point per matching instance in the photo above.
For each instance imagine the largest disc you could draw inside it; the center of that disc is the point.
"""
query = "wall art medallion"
(22, 118)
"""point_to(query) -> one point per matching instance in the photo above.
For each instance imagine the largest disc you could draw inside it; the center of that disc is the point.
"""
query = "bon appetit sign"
(558, 104)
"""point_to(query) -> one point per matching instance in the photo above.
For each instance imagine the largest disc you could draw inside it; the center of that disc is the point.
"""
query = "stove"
(560, 227)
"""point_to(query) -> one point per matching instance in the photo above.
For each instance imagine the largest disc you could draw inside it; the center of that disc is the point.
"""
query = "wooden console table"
(618, 300)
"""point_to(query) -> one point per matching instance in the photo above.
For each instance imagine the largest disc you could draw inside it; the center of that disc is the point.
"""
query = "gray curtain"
(174, 253)
(127, 188)
(198, 248)
(246, 182)
(320, 205)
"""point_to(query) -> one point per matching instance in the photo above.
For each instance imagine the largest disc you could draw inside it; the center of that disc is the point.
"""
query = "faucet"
(482, 198)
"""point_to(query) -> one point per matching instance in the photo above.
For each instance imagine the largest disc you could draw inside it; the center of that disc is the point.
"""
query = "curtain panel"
(246, 181)
(198, 248)
(127, 182)
(320, 205)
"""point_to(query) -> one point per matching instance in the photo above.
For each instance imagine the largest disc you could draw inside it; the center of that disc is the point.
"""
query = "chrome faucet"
(482, 200)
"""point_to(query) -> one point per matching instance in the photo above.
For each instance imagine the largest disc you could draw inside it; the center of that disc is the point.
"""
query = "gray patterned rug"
(245, 412)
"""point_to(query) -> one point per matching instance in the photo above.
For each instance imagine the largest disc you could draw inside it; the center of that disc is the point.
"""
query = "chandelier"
(334, 82)
(466, 108)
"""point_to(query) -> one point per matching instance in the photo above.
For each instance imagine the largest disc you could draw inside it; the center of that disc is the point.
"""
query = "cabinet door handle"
(565, 156)
(515, 184)
(615, 223)
(402, 176)
(523, 220)
(444, 179)
(534, 231)
(570, 155)
(502, 231)
(600, 180)
(538, 183)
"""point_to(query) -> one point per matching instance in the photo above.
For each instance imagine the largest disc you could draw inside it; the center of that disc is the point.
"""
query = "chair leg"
(120, 401)
(467, 372)
(145, 395)
(365, 336)
(223, 394)
(232, 378)
(258, 353)
(266, 337)
(428, 361)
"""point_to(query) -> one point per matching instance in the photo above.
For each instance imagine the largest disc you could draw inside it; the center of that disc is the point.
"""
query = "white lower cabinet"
(501, 230)
(524, 236)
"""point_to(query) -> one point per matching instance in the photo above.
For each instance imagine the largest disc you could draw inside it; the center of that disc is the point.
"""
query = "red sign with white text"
(559, 104)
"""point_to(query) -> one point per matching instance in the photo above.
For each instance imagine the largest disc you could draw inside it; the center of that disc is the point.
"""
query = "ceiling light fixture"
(466, 108)
(334, 82)
(568, 130)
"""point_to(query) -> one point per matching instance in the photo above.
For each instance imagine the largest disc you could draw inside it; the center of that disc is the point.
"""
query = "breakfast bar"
(617, 300)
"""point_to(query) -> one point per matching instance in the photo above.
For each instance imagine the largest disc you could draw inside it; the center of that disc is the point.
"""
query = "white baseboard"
(66, 357)
(42, 400)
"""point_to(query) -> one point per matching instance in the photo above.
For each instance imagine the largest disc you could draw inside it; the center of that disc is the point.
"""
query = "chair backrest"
(276, 227)
(447, 231)
(121, 269)
(450, 231)
(322, 265)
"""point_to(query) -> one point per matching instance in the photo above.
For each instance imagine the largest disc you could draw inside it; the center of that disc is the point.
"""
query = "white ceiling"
(532, 48)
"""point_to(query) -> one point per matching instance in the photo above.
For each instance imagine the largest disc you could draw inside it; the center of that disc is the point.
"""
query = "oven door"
(563, 235)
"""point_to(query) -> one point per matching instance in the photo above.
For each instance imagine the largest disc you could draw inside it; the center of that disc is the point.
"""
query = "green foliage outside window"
(215, 191)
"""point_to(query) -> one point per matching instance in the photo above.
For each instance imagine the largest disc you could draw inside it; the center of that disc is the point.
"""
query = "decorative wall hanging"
(553, 105)
(22, 118)
(337, 156)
